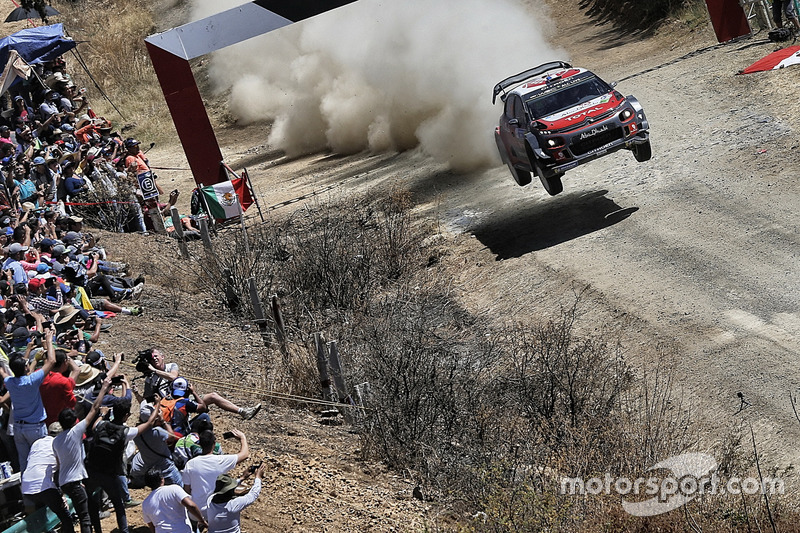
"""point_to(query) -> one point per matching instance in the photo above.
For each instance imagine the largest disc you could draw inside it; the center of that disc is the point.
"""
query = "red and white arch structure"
(172, 50)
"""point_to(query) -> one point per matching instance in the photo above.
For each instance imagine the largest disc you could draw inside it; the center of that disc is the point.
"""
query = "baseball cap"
(145, 410)
(179, 386)
(35, 283)
(16, 248)
(38, 160)
(41, 268)
(71, 236)
(130, 141)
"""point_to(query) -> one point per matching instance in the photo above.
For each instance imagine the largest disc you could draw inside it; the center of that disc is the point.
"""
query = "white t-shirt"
(163, 509)
(201, 475)
(38, 476)
(68, 448)
(225, 517)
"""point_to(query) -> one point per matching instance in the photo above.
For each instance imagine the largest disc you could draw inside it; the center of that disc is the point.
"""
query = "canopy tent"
(782, 58)
(36, 45)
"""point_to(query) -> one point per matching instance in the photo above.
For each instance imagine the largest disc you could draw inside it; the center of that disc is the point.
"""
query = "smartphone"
(228, 435)
(253, 468)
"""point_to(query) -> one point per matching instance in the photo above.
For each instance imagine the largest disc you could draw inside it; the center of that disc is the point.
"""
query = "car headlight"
(626, 114)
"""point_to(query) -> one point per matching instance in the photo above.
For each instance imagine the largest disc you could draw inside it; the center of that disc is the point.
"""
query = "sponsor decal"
(583, 113)
(593, 132)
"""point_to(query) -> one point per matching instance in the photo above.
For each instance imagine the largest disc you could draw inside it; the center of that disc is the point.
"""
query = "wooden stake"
(204, 234)
(322, 366)
(230, 291)
(280, 329)
(258, 310)
(338, 380)
(178, 228)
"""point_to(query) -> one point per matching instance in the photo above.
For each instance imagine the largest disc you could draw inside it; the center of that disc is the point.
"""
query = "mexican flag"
(224, 199)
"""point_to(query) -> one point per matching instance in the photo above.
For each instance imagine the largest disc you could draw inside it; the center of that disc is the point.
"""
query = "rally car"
(557, 117)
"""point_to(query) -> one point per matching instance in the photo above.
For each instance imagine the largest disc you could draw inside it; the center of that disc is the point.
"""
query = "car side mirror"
(513, 122)
(613, 84)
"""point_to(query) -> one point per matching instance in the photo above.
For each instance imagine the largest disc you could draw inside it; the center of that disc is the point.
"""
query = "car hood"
(579, 113)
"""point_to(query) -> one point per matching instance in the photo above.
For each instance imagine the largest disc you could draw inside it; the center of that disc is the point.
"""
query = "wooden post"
(230, 291)
(338, 380)
(322, 366)
(280, 329)
(157, 220)
(178, 228)
(204, 234)
(258, 310)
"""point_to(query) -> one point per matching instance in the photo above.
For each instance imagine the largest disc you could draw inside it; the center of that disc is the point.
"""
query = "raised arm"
(95, 410)
(244, 452)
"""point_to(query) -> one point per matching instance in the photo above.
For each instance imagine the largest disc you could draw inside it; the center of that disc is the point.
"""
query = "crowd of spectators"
(65, 406)
(55, 152)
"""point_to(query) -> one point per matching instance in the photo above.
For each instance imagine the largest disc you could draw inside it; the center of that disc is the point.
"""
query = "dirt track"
(695, 250)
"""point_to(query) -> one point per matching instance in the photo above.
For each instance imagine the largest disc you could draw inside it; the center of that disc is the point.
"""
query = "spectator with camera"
(104, 462)
(26, 400)
(225, 509)
(155, 451)
(70, 454)
(201, 473)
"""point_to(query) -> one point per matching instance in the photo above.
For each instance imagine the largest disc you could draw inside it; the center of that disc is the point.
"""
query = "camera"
(143, 361)
(116, 380)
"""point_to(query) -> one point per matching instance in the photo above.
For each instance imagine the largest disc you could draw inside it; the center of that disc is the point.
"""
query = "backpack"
(105, 451)
(779, 35)
(174, 414)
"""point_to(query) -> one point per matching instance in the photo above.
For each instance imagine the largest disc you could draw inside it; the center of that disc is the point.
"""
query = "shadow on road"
(542, 225)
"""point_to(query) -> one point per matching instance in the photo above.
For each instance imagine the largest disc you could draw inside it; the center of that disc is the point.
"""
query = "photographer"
(58, 387)
(159, 378)
(158, 374)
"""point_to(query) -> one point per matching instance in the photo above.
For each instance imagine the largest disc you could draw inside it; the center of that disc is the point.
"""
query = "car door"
(513, 126)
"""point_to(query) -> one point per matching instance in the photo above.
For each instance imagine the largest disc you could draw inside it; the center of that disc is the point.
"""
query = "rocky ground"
(693, 252)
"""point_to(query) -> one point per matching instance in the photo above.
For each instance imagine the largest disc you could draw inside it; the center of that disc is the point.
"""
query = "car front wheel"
(551, 183)
(642, 152)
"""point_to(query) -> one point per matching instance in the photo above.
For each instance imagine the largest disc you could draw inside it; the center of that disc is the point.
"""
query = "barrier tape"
(108, 202)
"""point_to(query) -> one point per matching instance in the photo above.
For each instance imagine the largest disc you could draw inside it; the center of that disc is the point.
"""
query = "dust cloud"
(383, 76)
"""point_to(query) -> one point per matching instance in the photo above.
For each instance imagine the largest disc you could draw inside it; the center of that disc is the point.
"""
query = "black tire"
(522, 177)
(642, 152)
(551, 183)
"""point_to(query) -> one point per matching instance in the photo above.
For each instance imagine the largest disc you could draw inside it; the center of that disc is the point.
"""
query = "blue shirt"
(20, 276)
(25, 398)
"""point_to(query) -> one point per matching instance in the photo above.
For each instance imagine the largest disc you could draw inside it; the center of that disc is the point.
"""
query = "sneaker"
(104, 514)
(133, 503)
(105, 327)
(250, 412)
(139, 280)
(136, 311)
(136, 292)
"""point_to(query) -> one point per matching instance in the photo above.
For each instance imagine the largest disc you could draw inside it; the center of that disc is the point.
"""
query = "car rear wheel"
(642, 152)
(551, 182)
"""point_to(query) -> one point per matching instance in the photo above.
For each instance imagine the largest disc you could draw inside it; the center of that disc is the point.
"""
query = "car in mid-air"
(557, 117)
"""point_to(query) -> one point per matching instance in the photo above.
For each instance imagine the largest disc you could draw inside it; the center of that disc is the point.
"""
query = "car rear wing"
(528, 74)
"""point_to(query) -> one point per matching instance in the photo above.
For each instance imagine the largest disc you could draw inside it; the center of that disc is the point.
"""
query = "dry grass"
(115, 52)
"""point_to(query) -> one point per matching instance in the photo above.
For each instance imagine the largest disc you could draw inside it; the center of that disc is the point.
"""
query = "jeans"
(80, 501)
(52, 499)
(112, 485)
(24, 437)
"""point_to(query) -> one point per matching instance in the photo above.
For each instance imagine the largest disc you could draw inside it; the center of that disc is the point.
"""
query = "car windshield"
(546, 104)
